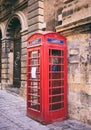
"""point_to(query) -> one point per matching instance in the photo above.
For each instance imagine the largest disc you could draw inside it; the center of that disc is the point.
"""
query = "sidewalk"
(13, 116)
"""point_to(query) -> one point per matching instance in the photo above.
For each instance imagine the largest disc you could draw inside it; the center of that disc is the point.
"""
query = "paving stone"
(4, 125)
(13, 128)
(87, 128)
(68, 129)
(13, 117)
(56, 128)
(51, 126)
(76, 125)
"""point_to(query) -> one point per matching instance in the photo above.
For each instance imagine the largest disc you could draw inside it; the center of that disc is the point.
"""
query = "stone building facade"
(13, 39)
(76, 26)
(72, 18)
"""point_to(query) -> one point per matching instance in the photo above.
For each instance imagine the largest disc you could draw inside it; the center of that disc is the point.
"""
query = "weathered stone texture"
(35, 27)
(23, 70)
(35, 16)
(51, 11)
(35, 5)
(23, 57)
(23, 89)
(4, 76)
(24, 39)
(78, 106)
(24, 45)
(78, 57)
(23, 64)
(24, 51)
(84, 115)
(76, 10)
(23, 77)
(78, 76)
(31, 2)
(35, 13)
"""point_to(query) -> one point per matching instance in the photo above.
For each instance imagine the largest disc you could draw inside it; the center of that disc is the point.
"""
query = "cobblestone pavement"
(13, 116)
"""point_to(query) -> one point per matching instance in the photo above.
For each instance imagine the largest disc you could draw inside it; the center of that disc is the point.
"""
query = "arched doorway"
(14, 40)
(0, 54)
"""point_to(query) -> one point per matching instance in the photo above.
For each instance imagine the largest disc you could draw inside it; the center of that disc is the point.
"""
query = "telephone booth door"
(57, 84)
(33, 83)
(47, 77)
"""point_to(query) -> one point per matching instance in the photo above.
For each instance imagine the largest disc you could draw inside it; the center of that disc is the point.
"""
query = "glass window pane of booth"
(56, 79)
(34, 80)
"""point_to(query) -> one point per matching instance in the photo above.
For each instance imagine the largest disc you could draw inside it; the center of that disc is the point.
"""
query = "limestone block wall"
(75, 10)
(24, 36)
(4, 60)
(35, 16)
(78, 77)
(18, 10)
(52, 8)
(79, 71)
(76, 21)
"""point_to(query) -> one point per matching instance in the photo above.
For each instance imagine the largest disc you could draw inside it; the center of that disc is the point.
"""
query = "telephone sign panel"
(47, 77)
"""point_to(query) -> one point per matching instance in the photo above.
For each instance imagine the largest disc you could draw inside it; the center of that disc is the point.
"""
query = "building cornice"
(81, 25)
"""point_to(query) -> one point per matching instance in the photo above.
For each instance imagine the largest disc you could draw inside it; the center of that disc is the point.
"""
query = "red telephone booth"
(47, 77)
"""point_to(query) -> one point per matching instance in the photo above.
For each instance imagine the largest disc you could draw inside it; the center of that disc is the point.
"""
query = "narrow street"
(13, 116)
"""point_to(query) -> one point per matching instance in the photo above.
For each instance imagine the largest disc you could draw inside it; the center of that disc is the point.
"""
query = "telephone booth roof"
(46, 37)
(46, 33)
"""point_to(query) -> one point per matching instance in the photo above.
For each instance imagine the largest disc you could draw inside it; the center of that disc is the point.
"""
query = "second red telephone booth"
(47, 77)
